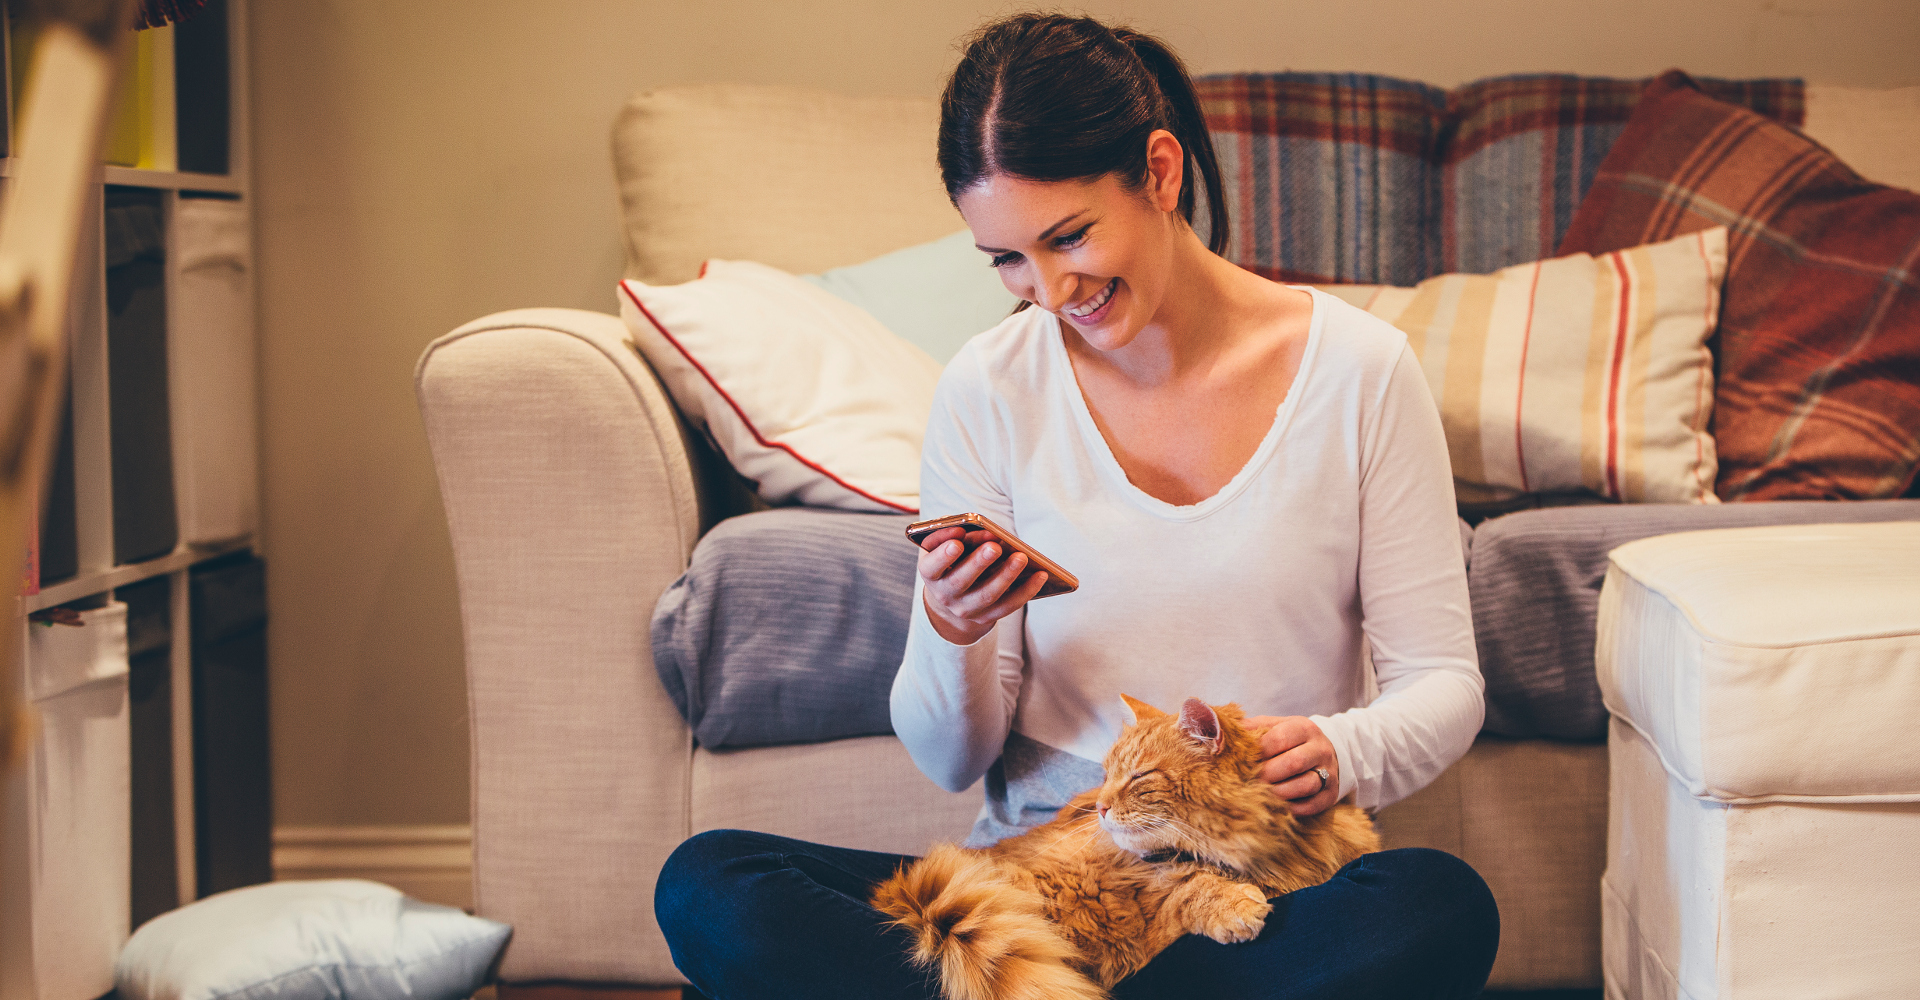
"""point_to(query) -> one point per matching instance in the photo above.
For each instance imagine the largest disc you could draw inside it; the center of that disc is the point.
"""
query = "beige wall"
(419, 164)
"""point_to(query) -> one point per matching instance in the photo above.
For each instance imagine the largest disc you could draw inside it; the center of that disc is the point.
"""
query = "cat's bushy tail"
(987, 936)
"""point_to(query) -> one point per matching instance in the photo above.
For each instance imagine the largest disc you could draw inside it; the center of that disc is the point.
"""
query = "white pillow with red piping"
(809, 397)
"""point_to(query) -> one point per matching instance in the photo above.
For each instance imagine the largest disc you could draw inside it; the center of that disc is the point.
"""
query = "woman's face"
(1091, 252)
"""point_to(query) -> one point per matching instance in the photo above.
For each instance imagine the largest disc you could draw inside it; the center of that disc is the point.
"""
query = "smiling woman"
(1252, 483)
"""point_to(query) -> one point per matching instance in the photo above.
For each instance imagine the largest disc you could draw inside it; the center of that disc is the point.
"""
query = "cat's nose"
(1102, 806)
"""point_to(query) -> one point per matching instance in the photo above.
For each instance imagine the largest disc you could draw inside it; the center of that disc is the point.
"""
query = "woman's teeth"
(1093, 305)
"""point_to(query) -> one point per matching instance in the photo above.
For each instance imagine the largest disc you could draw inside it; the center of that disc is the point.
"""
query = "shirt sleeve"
(953, 705)
(1413, 605)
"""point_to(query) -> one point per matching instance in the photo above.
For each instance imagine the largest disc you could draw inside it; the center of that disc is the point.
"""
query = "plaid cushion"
(1819, 343)
(1525, 149)
(1353, 177)
(1329, 176)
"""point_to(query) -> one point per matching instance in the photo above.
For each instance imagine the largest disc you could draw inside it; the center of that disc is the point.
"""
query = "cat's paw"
(1236, 915)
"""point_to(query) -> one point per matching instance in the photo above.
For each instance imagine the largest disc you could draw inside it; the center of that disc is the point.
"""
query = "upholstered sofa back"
(807, 180)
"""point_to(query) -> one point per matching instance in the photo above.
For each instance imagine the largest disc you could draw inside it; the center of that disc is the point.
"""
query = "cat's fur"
(1072, 906)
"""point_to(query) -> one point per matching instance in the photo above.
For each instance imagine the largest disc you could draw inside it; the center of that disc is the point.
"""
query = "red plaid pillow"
(1818, 354)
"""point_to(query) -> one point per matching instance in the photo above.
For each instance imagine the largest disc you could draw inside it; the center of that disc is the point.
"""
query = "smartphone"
(1059, 581)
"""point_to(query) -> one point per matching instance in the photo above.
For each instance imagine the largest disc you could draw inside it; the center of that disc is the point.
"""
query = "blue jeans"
(752, 915)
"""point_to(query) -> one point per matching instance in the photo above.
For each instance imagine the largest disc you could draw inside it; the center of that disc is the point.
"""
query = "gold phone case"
(1059, 581)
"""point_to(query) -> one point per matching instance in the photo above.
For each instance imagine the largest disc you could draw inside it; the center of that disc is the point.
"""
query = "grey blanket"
(787, 627)
(1535, 581)
(790, 623)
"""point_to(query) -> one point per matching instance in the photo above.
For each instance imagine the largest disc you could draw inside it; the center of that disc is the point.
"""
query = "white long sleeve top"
(1339, 530)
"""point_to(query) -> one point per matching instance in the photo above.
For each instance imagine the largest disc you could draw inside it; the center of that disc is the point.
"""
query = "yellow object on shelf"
(143, 133)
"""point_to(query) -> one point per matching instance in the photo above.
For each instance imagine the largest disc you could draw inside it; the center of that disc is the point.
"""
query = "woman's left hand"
(1292, 747)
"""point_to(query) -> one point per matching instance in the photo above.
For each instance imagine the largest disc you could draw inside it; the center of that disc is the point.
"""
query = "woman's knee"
(1448, 908)
(696, 874)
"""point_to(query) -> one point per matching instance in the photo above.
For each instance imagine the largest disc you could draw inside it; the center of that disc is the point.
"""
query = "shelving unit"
(100, 576)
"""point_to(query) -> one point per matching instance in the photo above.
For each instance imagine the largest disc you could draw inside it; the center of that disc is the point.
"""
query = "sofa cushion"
(787, 627)
(1357, 177)
(1525, 149)
(808, 396)
(1819, 346)
(936, 295)
(1535, 584)
(764, 173)
(1572, 374)
(1329, 177)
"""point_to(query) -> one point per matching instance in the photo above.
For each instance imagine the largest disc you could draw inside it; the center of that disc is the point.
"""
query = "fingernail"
(952, 548)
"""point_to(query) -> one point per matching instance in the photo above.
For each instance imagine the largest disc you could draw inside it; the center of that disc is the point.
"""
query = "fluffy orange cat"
(1182, 838)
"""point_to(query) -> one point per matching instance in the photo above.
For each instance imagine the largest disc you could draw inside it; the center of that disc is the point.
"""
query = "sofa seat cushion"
(1770, 664)
(787, 627)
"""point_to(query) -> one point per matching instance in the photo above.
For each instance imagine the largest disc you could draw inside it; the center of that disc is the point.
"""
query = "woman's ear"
(1166, 170)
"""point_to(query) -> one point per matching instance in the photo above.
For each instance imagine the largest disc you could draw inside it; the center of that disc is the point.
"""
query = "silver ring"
(1324, 778)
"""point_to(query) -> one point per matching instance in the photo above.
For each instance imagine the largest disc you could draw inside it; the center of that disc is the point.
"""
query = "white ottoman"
(1763, 830)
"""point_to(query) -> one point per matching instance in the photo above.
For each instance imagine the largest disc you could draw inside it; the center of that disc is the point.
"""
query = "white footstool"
(1763, 831)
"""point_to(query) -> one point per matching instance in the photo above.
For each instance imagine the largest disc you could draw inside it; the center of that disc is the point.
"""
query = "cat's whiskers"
(1091, 830)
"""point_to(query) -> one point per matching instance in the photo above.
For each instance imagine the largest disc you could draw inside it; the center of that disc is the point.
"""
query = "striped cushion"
(1573, 375)
(1819, 344)
(1366, 178)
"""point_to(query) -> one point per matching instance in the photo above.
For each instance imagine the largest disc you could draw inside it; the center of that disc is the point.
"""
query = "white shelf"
(101, 581)
(165, 180)
(171, 180)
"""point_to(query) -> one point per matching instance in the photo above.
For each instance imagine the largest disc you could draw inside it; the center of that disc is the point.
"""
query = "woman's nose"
(1053, 288)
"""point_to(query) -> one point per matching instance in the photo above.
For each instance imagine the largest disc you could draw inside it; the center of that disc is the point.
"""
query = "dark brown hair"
(1049, 97)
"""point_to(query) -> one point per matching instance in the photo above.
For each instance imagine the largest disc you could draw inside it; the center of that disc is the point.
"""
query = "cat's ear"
(1140, 710)
(1197, 720)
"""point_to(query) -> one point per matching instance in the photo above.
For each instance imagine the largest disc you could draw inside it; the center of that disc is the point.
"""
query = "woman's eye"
(1071, 240)
(1003, 259)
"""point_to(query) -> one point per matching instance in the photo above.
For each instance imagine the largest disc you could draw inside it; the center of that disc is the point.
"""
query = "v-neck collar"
(1102, 453)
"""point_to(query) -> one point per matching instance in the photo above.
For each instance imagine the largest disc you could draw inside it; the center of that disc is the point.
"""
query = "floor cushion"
(1765, 792)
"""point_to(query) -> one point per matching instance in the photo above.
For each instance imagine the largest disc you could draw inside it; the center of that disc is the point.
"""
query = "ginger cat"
(1182, 838)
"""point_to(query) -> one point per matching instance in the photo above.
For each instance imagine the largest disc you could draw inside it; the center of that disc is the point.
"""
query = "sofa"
(577, 493)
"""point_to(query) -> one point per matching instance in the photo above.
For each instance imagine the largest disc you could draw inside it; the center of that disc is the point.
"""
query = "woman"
(1249, 479)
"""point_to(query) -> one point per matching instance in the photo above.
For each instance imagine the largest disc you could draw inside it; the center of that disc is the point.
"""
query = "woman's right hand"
(967, 591)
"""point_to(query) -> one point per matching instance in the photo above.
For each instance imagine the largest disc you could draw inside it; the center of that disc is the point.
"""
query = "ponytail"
(1189, 125)
(1048, 97)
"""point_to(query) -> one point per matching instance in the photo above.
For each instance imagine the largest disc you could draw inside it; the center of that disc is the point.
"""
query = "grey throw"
(790, 623)
(787, 627)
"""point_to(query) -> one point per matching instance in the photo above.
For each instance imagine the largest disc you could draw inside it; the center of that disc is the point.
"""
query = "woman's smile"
(1093, 309)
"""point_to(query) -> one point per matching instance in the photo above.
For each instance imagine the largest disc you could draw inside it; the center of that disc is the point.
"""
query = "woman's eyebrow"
(1049, 232)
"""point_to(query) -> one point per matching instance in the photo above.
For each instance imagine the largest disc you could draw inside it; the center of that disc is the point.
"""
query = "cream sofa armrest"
(572, 505)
